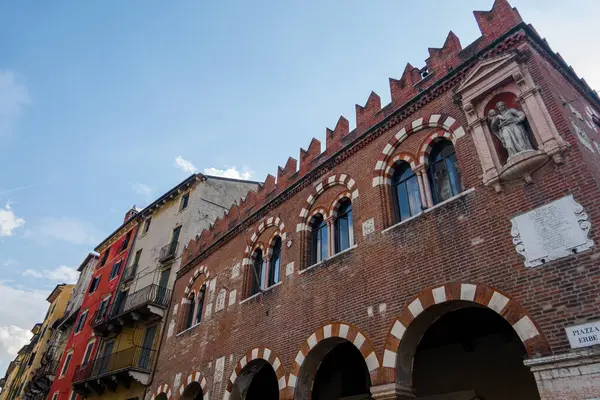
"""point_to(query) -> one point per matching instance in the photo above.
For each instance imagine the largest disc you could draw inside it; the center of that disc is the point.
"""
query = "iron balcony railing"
(168, 252)
(129, 273)
(152, 294)
(100, 316)
(136, 357)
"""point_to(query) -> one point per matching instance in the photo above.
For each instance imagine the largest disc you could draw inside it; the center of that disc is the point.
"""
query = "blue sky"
(98, 101)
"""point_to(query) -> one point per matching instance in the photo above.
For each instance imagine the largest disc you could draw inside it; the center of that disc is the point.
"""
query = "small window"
(114, 272)
(184, 201)
(318, 239)
(94, 284)
(65, 367)
(256, 273)
(405, 190)
(275, 262)
(88, 352)
(200, 304)
(189, 319)
(103, 308)
(443, 172)
(104, 257)
(147, 224)
(125, 243)
(344, 233)
(31, 358)
(80, 322)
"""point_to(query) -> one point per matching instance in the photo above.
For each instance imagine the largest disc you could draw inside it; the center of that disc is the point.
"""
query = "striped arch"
(200, 270)
(339, 330)
(442, 121)
(393, 161)
(320, 188)
(197, 377)
(429, 142)
(508, 308)
(271, 221)
(164, 388)
(335, 205)
(256, 353)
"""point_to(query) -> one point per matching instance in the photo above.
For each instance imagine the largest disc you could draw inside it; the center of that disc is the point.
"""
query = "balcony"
(148, 303)
(115, 369)
(167, 253)
(42, 379)
(99, 321)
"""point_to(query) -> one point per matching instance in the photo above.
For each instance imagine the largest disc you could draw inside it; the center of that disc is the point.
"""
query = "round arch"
(341, 331)
(269, 222)
(258, 353)
(335, 204)
(194, 377)
(199, 271)
(163, 392)
(430, 141)
(444, 122)
(333, 180)
(400, 346)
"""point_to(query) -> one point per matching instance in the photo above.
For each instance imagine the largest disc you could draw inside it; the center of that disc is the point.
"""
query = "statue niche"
(509, 126)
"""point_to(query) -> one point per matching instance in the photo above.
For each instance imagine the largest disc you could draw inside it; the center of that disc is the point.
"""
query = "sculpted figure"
(507, 125)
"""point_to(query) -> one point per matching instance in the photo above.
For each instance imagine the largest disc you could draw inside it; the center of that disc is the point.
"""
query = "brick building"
(443, 249)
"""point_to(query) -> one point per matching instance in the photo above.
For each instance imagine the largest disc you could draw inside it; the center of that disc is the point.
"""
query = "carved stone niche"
(506, 79)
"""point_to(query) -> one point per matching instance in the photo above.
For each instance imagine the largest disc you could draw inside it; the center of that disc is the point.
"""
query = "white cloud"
(230, 172)
(69, 230)
(13, 98)
(20, 310)
(60, 274)
(143, 190)
(12, 338)
(8, 220)
(185, 165)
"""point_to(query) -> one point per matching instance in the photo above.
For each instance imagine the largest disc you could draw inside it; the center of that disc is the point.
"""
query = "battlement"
(492, 24)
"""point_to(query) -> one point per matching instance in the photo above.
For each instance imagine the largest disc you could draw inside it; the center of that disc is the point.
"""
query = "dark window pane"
(403, 202)
(190, 312)
(318, 240)
(323, 241)
(257, 272)
(343, 224)
(200, 305)
(275, 262)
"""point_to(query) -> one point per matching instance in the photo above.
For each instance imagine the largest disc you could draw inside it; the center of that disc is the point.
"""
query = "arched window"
(189, 319)
(318, 239)
(344, 233)
(200, 304)
(443, 172)
(405, 190)
(256, 273)
(275, 262)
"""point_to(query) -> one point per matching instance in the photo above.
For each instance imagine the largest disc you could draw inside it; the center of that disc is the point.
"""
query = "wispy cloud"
(10, 261)
(64, 229)
(230, 172)
(185, 165)
(9, 221)
(13, 98)
(143, 190)
(60, 274)
(12, 338)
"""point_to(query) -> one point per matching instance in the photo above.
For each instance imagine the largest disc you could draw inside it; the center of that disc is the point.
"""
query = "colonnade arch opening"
(193, 391)
(334, 369)
(257, 381)
(462, 350)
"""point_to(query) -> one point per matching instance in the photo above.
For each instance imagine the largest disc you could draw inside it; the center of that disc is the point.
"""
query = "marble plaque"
(368, 226)
(552, 231)
(585, 335)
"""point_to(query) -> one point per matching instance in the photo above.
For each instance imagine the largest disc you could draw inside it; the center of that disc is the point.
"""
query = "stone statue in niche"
(508, 125)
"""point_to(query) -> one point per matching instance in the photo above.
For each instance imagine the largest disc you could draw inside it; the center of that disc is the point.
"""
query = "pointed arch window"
(444, 175)
(189, 318)
(318, 239)
(405, 191)
(344, 233)
(256, 273)
(200, 304)
(275, 262)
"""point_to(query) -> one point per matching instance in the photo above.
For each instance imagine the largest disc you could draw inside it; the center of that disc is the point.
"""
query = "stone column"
(392, 391)
(421, 188)
(330, 237)
(266, 267)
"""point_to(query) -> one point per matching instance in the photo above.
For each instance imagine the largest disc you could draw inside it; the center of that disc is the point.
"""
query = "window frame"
(275, 262)
(184, 202)
(399, 180)
(189, 317)
(90, 347)
(94, 284)
(80, 322)
(199, 305)
(104, 258)
(147, 223)
(107, 301)
(256, 283)
(454, 177)
(319, 239)
(55, 395)
(66, 363)
(120, 264)
(341, 215)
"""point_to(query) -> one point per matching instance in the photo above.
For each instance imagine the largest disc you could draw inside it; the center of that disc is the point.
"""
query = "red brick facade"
(369, 295)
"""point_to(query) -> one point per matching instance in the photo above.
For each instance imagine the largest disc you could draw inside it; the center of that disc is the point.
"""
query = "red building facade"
(443, 249)
(83, 344)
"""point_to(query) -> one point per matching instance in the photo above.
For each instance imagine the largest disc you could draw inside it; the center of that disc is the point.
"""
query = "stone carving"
(220, 300)
(232, 297)
(289, 269)
(508, 125)
(219, 367)
(550, 232)
(582, 136)
(368, 226)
